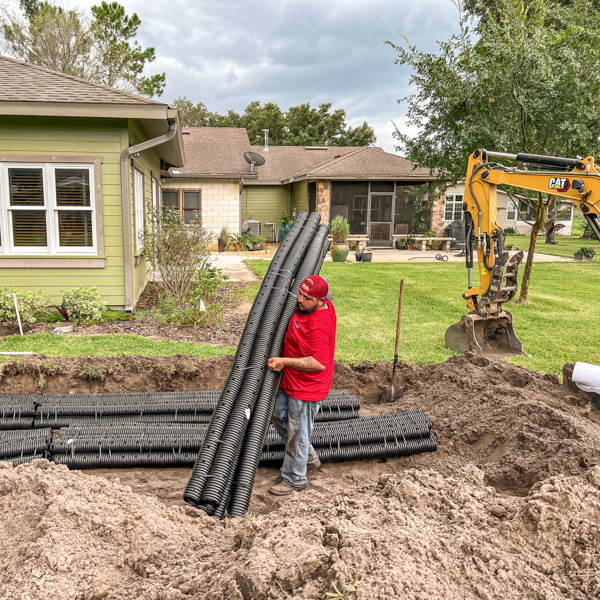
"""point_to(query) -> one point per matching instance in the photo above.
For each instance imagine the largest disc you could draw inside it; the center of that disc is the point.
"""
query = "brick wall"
(323, 200)
(220, 201)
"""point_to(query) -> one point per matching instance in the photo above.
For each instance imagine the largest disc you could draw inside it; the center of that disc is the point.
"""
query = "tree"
(101, 49)
(48, 36)
(192, 115)
(120, 63)
(300, 126)
(516, 82)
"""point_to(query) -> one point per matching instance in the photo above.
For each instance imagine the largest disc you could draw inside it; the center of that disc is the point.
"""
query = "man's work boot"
(285, 490)
(314, 467)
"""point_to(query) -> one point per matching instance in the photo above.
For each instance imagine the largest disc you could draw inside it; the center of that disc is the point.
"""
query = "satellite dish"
(254, 159)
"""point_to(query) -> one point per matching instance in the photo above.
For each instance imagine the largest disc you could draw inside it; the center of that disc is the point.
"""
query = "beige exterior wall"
(520, 226)
(220, 200)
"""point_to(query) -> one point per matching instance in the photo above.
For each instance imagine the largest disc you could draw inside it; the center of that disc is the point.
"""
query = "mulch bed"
(225, 332)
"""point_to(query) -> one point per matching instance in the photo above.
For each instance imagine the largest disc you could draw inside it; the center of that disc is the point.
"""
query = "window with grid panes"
(191, 206)
(453, 209)
(46, 209)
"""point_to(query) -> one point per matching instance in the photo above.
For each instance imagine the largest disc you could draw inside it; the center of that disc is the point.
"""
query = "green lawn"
(105, 345)
(566, 246)
(559, 325)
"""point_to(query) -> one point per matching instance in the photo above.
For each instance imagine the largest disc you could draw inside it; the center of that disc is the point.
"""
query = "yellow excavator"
(488, 328)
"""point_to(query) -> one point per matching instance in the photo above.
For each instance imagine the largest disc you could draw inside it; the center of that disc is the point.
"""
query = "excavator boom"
(488, 329)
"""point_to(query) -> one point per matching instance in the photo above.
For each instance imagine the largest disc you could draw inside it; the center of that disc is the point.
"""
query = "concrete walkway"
(233, 265)
(391, 255)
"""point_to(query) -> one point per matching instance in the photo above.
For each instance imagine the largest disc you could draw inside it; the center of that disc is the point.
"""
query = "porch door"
(381, 212)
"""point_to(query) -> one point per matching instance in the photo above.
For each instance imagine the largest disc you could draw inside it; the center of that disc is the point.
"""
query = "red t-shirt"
(310, 335)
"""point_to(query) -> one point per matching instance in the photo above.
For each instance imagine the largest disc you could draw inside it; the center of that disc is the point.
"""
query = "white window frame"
(138, 203)
(52, 248)
(453, 199)
(511, 207)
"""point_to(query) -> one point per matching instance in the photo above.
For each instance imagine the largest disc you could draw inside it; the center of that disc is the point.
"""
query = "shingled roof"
(24, 82)
(214, 151)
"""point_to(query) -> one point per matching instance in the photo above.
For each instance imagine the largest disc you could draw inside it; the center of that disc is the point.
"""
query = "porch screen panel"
(412, 209)
(349, 199)
(191, 207)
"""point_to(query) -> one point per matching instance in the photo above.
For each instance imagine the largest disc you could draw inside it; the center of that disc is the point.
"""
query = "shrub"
(83, 304)
(435, 246)
(208, 282)
(29, 304)
(340, 229)
(430, 233)
(175, 250)
(510, 231)
(587, 251)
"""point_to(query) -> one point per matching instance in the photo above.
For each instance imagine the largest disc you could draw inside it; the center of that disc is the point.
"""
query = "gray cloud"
(230, 52)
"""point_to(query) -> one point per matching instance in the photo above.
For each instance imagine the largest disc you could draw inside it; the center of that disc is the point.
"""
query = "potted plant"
(585, 253)
(237, 241)
(340, 229)
(401, 243)
(223, 239)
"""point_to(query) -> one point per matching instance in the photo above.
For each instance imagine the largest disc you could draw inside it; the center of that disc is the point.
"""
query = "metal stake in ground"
(393, 393)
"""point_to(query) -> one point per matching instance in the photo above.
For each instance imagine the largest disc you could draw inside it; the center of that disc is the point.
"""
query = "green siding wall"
(300, 195)
(24, 136)
(150, 163)
(265, 203)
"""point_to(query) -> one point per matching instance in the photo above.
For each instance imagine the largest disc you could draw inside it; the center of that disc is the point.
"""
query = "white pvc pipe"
(17, 311)
(587, 377)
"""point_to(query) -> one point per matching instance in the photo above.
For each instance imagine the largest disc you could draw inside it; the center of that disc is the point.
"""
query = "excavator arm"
(488, 329)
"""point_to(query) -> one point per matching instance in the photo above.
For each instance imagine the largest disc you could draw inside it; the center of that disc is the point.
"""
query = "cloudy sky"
(227, 53)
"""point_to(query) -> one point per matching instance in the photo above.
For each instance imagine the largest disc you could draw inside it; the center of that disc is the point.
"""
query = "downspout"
(126, 207)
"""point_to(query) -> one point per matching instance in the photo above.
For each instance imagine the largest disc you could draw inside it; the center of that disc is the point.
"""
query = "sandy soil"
(508, 507)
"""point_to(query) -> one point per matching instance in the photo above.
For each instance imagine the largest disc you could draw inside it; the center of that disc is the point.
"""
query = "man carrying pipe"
(307, 363)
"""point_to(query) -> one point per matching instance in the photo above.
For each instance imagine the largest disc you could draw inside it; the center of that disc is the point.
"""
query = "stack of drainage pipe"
(249, 392)
(27, 411)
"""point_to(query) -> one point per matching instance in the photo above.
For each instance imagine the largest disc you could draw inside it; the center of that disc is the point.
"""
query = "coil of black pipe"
(220, 417)
(261, 416)
(226, 458)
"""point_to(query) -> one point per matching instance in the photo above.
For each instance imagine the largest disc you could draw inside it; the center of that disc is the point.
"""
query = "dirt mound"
(518, 426)
(417, 535)
(508, 507)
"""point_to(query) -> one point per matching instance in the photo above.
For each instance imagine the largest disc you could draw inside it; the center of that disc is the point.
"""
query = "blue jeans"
(294, 420)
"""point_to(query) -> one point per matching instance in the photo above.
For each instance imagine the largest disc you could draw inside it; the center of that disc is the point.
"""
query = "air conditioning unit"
(254, 227)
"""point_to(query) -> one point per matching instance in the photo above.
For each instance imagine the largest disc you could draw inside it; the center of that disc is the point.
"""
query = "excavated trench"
(480, 518)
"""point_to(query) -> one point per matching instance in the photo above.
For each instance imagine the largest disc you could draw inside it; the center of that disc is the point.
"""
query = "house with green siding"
(80, 163)
(378, 192)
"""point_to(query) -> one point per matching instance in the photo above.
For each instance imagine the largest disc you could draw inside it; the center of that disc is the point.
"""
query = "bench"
(425, 242)
(354, 241)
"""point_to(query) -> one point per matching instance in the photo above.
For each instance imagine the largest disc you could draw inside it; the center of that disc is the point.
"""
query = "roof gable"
(24, 82)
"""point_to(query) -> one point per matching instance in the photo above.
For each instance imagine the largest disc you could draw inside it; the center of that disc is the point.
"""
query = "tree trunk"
(551, 222)
(537, 227)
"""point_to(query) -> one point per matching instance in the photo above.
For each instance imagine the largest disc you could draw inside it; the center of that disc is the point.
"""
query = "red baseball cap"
(315, 286)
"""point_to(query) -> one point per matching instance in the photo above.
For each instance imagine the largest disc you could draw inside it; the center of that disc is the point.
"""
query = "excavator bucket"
(488, 336)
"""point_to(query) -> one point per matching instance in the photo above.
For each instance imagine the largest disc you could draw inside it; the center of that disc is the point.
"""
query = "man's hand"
(276, 364)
